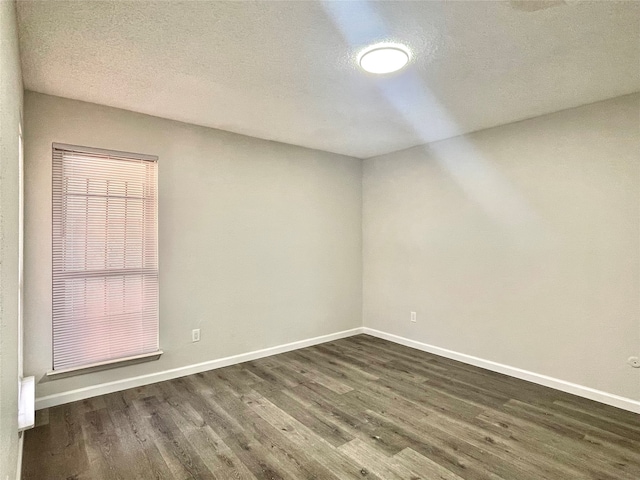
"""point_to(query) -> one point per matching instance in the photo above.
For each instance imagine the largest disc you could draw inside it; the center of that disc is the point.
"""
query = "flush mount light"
(382, 59)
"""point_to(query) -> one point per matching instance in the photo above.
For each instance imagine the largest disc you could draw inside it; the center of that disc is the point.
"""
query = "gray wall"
(10, 112)
(260, 242)
(517, 244)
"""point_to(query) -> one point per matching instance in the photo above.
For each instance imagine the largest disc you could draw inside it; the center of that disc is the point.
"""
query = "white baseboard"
(118, 385)
(562, 385)
(20, 450)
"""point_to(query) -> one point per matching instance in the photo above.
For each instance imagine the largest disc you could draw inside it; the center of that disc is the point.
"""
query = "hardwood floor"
(357, 408)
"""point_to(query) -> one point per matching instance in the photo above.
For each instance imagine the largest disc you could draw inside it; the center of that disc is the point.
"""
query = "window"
(105, 257)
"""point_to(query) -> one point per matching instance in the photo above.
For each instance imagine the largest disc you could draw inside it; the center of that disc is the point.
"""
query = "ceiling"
(287, 71)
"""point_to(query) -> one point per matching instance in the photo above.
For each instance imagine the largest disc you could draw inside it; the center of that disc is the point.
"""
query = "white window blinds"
(105, 256)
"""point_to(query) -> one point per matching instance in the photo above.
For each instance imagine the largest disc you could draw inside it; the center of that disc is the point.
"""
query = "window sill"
(96, 367)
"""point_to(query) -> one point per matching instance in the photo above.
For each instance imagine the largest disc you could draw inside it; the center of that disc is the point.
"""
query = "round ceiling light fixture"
(381, 59)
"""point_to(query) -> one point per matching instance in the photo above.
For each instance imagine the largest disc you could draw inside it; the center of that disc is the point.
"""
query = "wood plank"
(355, 408)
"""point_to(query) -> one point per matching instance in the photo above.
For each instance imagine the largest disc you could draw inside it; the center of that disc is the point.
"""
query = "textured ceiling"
(287, 71)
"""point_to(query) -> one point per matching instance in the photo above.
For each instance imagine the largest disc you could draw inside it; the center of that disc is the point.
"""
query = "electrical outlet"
(195, 335)
(413, 317)
(634, 362)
